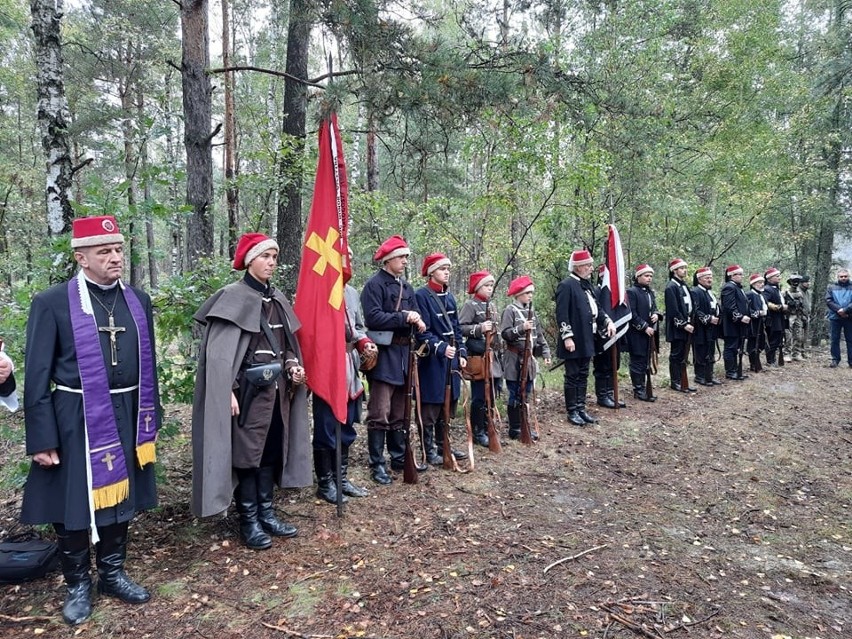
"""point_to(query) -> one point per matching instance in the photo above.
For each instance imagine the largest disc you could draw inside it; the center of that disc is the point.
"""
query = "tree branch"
(280, 74)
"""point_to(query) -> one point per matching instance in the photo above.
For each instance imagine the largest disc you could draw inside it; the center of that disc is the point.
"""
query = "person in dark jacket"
(92, 410)
(756, 342)
(606, 376)
(390, 314)
(736, 317)
(838, 298)
(679, 323)
(776, 319)
(578, 319)
(707, 327)
(444, 357)
(642, 334)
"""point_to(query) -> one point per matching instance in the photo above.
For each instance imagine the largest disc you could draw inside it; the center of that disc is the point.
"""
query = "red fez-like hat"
(772, 272)
(249, 246)
(95, 231)
(642, 269)
(703, 271)
(519, 285)
(578, 258)
(433, 262)
(755, 278)
(676, 263)
(478, 280)
(392, 247)
(733, 269)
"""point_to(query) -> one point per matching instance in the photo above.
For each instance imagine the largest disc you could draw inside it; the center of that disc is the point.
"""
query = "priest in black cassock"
(92, 410)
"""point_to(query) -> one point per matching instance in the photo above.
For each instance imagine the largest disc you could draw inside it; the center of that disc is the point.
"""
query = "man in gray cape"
(249, 415)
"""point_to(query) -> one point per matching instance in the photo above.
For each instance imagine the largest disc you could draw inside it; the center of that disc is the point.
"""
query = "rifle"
(409, 469)
(651, 368)
(740, 349)
(526, 436)
(684, 367)
(493, 435)
(450, 462)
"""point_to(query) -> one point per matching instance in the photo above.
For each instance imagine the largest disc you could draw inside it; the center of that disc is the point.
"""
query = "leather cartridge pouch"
(475, 368)
(262, 375)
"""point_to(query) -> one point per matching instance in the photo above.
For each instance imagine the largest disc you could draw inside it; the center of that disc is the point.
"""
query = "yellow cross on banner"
(328, 256)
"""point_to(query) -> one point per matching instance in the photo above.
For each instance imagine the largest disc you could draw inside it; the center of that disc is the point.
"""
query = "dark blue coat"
(775, 318)
(678, 310)
(756, 304)
(577, 318)
(384, 311)
(643, 304)
(735, 306)
(705, 307)
(441, 331)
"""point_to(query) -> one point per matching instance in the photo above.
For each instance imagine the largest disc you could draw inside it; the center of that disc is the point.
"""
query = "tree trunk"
(232, 193)
(372, 155)
(289, 231)
(128, 113)
(197, 136)
(53, 113)
(146, 190)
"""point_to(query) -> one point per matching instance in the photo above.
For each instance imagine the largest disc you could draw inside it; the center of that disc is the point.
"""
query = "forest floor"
(721, 514)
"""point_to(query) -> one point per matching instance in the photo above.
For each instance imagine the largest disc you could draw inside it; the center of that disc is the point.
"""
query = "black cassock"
(54, 418)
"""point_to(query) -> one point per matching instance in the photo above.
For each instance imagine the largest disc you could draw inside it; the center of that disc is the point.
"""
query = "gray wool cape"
(229, 317)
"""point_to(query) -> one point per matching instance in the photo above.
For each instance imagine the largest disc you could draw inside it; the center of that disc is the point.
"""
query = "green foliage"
(174, 305)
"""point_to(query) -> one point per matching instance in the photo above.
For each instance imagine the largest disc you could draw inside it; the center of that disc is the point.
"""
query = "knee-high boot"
(110, 554)
(265, 509)
(323, 466)
(640, 391)
(376, 449)
(396, 449)
(245, 497)
(581, 405)
(573, 406)
(478, 419)
(76, 561)
(348, 487)
(514, 415)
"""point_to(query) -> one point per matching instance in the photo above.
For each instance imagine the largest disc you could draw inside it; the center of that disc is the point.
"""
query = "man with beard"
(249, 414)
(706, 327)
(838, 298)
(679, 323)
(642, 333)
(736, 318)
(92, 410)
(776, 318)
(578, 319)
(390, 313)
(758, 311)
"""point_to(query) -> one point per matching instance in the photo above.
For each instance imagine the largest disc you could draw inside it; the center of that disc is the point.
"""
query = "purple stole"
(108, 478)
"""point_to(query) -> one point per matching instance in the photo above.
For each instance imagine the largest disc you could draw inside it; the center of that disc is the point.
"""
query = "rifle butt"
(409, 469)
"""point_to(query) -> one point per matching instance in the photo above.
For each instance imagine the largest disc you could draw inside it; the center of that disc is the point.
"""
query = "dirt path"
(722, 514)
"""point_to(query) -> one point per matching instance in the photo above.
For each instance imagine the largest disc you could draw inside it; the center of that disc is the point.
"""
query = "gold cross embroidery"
(328, 256)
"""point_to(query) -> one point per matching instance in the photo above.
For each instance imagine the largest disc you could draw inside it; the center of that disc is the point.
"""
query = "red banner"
(324, 270)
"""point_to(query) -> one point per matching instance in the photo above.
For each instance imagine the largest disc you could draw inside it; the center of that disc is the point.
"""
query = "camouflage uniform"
(794, 298)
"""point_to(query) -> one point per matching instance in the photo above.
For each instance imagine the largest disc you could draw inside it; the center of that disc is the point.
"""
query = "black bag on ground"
(25, 557)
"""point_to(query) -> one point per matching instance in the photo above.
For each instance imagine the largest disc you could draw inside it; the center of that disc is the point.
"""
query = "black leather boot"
(376, 450)
(621, 402)
(478, 419)
(265, 510)
(572, 406)
(701, 375)
(432, 456)
(604, 395)
(639, 389)
(349, 488)
(76, 568)
(730, 367)
(581, 406)
(396, 449)
(514, 415)
(245, 497)
(323, 466)
(110, 553)
(439, 441)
